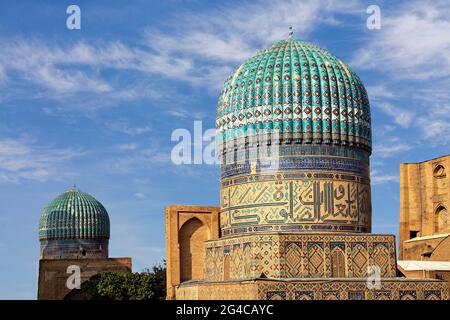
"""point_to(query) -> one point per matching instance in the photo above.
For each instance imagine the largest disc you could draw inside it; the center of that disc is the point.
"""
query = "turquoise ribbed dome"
(74, 215)
(296, 92)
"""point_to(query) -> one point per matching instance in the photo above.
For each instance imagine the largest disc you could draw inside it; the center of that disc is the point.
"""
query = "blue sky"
(96, 107)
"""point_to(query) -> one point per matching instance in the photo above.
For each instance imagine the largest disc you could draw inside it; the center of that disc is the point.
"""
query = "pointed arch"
(337, 263)
(226, 267)
(440, 220)
(439, 179)
(192, 235)
(439, 171)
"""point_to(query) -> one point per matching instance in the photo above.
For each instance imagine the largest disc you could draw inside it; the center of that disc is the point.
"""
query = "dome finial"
(291, 32)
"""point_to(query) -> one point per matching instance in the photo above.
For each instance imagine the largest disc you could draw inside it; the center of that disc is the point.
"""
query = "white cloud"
(140, 195)
(410, 52)
(379, 92)
(127, 146)
(200, 49)
(217, 41)
(3, 75)
(400, 116)
(48, 67)
(127, 128)
(152, 157)
(63, 71)
(390, 149)
(185, 114)
(413, 42)
(377, 179)
(22, 159)
(436, 131)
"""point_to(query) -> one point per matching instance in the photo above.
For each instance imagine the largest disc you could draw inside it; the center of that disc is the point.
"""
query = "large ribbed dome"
(294, 137)
(74, 215)
(298, 91)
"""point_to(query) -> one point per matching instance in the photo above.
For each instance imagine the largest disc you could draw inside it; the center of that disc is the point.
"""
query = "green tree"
(147, 285)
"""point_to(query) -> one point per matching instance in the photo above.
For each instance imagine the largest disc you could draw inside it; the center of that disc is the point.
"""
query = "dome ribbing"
(74, 215)
(296, 92)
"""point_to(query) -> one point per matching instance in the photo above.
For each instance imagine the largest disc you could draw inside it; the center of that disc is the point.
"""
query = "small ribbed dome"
(297, 91)
(74, 215)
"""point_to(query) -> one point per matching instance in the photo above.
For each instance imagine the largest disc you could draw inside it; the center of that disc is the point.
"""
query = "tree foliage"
(147, 285)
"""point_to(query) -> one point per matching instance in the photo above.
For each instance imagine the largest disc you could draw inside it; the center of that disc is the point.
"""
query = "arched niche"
(439, 179)
(226, 267)
(441, 220)
(439, 171)
(192, 235)
(337, 263)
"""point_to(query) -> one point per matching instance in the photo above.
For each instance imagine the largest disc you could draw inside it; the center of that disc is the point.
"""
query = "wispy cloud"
(379, 92)
(200, 49)
(140, 158)
(127, 146)
(216, 42)
(391, 148)
(48, 67)
(436, 130)
(2, 75)
(23, 159)
(410, 52)
(434, 104)
(98, 72)
(140, 195)
(125, 127)
(377, 178)
(413, 42)
(400, 116)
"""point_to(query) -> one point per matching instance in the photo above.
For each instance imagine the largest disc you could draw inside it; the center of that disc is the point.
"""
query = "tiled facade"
(298, 256)
(74, 225)
(294, 137)
(294, 199)
(316, 289)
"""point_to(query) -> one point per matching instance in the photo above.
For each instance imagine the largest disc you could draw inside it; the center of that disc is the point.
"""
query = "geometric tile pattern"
(381, 256)
(74, 215)
(359, 256)
(300, 96)
(300, 256)
(408, 294)
(315, 259)
(72, 225)
(276, 295)
(340, 289)
(297, 90)
(295, 223)
(293, 255)
(304, 295)
(356, 289)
